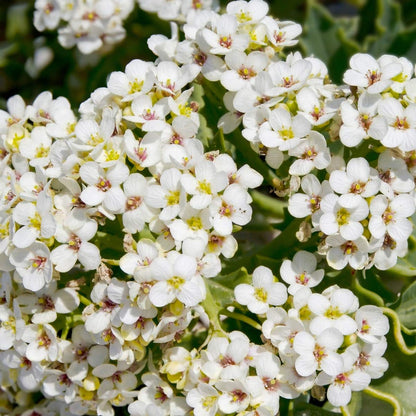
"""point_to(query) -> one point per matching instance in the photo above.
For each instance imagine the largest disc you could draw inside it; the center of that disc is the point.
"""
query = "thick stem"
(268, 204)
(398, 333)
(397, 410)
(374, 297)
(240, 317)
(112, 262)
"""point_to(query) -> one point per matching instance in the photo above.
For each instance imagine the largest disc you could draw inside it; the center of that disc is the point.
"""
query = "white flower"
(245, 176)
(137, 79)
(235, 396)
(316, 109)
(281, 33)
(150, 117)
(35, 220)
(169, 195)
(386, 250)
(372, 324)
(401, 121)
(359, 178)
(101, 319)
(343, 214)
(170, 78)
(366, 72)
(282, 130)
(203, 399)
(268, 385)
(76, 247)
(48, 302)
(33, 264)
(301, 271)
(251, 12)
(332, 311)
(368, 357)
(342, 252)
(400, 80)
(243, 69)
(176, 279)
(288, 76)
(223, 39)
(204, 185)
(136, 213)
(104, 187)
(138, 264)
(341, 385)
(143, 152)
(391, 216)
(47, 14)
(232, 207)
(193, 224)
(264, 292)
(309, 203)
(16, 113)
(37, 147)
(361, 122)
(318, 353)
(43, 343)
(394, 175)
(311, 153)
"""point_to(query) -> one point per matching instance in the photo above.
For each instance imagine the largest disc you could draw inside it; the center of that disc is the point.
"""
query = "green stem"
(345, 411)
(222, 141)
(408, 331)
(269, 204)
(84, 300)
(397, 410)
(65, 331)
(240, 317)
(111, 262)
(398, 333)
(374, 297)
(291, 408)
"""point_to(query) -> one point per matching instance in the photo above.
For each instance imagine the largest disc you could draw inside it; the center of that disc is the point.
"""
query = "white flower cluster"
(111, 224)
(177, 10)
(93, 25)
(291, 115)
(364, 207)
(88, 24)
(314, 339)
(133, 156)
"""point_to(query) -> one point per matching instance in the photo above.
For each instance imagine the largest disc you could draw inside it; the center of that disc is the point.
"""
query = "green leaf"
(388, 25)
(404, 44)
(307, 409)
(380, 24)
(354, 406)
(222, 287)
(18, 21)
(399, 381)
(407, 307)
(329, 39)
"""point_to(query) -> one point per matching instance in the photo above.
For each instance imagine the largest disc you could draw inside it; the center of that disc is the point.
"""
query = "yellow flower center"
(176, 282)
(260, 294)
(173, 197)
(342, 217)
(333, 312)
